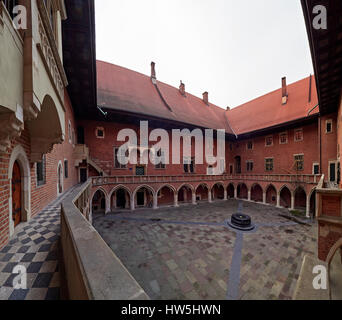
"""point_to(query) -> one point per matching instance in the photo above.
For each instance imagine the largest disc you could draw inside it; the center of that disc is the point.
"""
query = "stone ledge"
(304, 289)
(92, 269)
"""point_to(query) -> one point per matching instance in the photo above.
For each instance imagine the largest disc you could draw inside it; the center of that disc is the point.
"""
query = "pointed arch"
(18, 155)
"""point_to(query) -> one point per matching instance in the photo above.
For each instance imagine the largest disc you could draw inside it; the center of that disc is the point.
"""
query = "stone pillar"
(155, 201)
(175, 199)
(209, 196)
(278, 200)
(235, 193)
(225, 196)
(292, 201)
(308, 206)
(249, 195)
(108, 209)
(132, 203)
(194, 198)
(264, 197)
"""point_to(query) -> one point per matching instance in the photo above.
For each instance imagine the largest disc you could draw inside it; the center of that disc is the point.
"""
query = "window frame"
(313, 168)
(121, 166)
(270, 158)
(269, 145)
(249, 165)
(97, 133)
(66, 169)
(285, 133)
(294, 135)
(42, 182)
(247, 145)
(329, 121)
(296, 166)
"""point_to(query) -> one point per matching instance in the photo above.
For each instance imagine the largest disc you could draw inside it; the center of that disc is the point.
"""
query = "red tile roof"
(126, 90)
(268, 111)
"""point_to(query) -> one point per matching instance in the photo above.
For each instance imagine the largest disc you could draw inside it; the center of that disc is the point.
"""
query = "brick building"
(61, 112)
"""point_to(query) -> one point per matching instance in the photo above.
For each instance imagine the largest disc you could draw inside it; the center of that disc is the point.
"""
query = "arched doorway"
(271, 195)
(120, 199)
(285, 197)
(19, 158)
(185, 195)
(144, 198)
(166, 196)
(202, 193)
(300, 199)
(16, 194)
(230, 191)
(99, 202)
(256, 193)
(217, 192)
(242, 191)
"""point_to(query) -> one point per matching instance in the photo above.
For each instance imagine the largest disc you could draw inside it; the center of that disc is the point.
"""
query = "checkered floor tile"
(34, 246)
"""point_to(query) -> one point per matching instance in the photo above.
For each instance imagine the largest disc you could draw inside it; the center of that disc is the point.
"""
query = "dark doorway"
(83, 175)
(80, 135)
(16, 194)
(332, 169)
(121, 199)
(140, 198)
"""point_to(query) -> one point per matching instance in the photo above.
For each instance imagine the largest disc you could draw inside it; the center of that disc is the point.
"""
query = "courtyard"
(190, 253)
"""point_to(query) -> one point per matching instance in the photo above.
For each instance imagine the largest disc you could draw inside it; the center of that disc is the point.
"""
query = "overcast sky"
(235, 50)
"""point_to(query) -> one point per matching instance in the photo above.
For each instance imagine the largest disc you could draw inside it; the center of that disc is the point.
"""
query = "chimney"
(284, 91)
(182, 88)
(153, 72)
(228, 109)
(206, 98)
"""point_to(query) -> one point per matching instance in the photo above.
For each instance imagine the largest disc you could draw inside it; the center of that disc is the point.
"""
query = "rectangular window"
(298, 135)
(41, 172)
(328, 126)
(189, 165)
(118, 159)
(250, 145)
(66, 169)
(161, 155)
(315, 168)
(230, 169)
(250, 166)
(140, 170)
(283, 138)
(269, 164)
(269, 141)
(299, 162)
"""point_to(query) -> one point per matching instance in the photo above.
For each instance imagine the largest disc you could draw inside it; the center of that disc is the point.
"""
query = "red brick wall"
(283, 154)
(102, 150)
(41, 196)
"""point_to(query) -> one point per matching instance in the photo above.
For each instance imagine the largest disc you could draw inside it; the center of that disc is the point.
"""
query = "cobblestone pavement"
(34, 246)
(189, 253)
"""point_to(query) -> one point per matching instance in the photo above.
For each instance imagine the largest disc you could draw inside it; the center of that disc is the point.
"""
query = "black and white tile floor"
(34, 246)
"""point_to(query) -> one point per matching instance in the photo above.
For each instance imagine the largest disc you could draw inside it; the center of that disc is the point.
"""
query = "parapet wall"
(92, 270)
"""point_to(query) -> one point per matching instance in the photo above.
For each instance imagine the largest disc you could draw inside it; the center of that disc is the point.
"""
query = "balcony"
(271, 178)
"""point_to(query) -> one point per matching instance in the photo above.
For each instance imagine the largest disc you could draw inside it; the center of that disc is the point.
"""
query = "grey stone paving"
(188, 252)
(34, 246)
